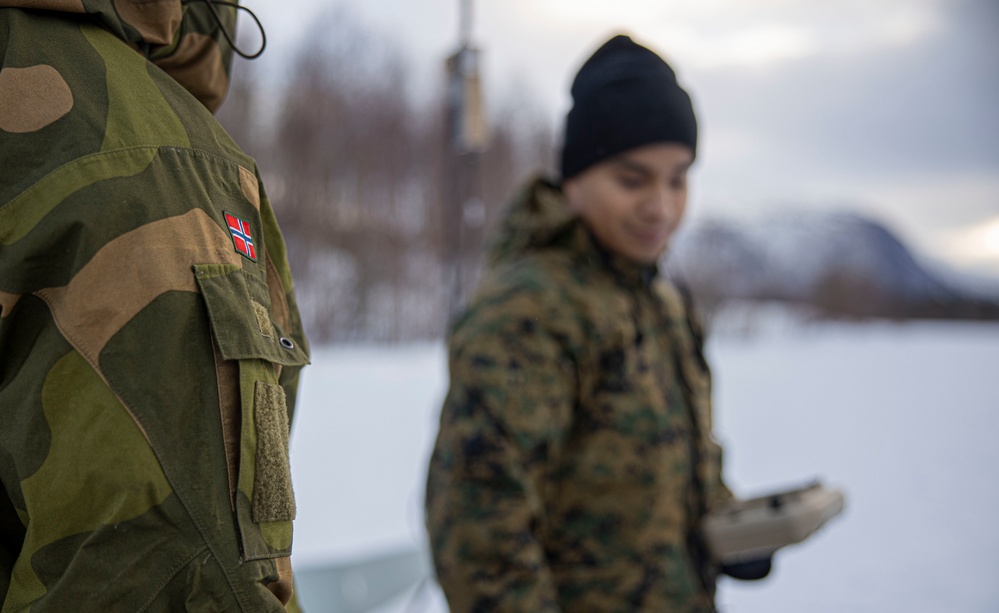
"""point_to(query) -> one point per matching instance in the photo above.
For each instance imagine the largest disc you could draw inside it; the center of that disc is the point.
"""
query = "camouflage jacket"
(574, 458)
(149, 339)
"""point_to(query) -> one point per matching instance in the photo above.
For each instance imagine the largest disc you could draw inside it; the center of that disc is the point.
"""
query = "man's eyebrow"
(633, 166)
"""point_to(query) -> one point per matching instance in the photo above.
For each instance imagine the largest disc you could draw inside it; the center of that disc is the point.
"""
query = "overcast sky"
(886, 107)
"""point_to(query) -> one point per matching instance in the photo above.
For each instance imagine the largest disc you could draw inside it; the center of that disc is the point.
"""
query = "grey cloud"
(930, 107)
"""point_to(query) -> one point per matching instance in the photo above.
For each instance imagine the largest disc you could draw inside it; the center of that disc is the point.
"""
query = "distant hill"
(839, 265)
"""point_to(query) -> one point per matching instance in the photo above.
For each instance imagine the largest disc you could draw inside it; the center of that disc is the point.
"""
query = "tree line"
(359, 170)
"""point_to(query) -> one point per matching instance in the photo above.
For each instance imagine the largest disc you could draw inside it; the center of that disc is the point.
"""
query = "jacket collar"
(538, 218)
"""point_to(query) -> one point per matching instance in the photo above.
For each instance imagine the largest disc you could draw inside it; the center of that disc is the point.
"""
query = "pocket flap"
(238, 308)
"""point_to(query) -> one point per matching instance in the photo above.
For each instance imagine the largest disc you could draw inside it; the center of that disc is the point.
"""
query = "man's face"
(633, 202)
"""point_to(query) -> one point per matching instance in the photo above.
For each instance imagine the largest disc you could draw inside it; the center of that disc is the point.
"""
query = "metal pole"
(465, 23)
(466, 139)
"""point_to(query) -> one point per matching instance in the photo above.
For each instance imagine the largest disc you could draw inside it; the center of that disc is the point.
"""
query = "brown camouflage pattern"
(183, 40)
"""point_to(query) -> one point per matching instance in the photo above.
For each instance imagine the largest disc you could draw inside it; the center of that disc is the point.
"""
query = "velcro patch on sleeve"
(263, 319)
(273, 498)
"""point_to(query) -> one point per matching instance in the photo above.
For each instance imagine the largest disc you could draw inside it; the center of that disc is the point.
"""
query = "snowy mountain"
(834, 263)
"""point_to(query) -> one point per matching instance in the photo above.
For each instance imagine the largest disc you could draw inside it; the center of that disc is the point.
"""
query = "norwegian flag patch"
(239, 229)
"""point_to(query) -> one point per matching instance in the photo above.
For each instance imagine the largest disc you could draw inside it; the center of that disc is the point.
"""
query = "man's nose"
(658, 204)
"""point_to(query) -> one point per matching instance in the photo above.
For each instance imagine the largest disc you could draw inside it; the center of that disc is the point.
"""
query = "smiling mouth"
(650, 237)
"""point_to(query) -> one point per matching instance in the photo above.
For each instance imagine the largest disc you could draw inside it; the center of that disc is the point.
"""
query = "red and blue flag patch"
(239, 229)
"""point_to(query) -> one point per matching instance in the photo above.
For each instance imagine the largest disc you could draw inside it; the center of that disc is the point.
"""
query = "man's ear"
(571, 189)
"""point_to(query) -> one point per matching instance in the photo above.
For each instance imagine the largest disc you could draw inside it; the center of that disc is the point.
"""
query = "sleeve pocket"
(250, 341)
(238, 307)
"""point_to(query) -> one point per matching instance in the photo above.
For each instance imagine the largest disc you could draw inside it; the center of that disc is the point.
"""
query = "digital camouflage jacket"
(574, 458)
(149, 339)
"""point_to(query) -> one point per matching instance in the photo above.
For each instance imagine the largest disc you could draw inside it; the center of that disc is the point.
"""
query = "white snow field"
(903, 417)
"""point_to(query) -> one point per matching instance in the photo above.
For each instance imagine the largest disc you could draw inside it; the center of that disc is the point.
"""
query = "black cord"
(225, 33)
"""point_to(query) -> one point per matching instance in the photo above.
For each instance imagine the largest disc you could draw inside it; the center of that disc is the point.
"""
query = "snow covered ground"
(903, 417)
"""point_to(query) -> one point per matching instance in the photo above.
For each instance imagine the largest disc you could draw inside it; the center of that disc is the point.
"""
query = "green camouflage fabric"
(574, 459)
(148, 368)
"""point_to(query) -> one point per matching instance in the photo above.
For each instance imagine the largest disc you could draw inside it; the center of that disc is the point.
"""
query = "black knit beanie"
(624, 96)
